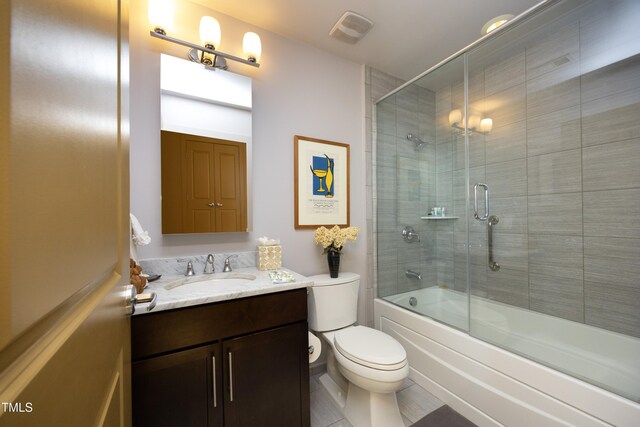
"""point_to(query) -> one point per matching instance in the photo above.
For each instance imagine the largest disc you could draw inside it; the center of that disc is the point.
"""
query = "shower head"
(417, 141)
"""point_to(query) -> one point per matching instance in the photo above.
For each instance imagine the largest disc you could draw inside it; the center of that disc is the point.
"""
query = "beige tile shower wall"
(562, 163)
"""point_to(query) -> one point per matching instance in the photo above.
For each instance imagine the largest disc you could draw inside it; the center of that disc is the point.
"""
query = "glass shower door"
(421, 196)
(553, 147)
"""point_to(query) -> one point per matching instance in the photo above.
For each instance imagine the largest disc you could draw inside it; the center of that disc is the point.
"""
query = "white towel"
(138, 235)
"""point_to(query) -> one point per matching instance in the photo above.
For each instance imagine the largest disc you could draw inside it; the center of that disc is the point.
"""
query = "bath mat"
(444, 416)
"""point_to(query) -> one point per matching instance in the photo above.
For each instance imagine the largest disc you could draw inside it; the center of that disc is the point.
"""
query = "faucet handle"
(190, 269)
(227, 263)
(208, 266)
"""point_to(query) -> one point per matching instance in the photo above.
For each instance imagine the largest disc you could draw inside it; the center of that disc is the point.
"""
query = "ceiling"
(408, 36)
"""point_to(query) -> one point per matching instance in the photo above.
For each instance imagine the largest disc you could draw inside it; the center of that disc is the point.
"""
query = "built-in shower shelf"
(438, 217)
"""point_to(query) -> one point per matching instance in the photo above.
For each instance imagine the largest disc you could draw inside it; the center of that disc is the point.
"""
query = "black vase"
(333, 258)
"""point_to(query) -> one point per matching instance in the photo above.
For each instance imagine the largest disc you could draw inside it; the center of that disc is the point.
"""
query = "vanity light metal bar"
(202, 48)
(483, 127)
(470, 130)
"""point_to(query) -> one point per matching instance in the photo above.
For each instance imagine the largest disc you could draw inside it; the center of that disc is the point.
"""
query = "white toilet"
(365, 367)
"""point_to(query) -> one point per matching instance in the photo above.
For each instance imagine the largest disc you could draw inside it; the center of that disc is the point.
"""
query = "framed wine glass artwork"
(321, 182)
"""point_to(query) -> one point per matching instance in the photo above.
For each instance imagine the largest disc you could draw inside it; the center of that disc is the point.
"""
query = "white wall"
(297, 90)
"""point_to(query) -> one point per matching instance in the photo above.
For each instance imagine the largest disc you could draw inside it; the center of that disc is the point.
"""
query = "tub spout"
(413, 274)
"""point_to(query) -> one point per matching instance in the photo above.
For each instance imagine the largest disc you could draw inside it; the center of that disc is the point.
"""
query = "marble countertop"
(180, 291)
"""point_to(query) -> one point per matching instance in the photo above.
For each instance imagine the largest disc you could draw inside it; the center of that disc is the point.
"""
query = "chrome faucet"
(208, 266)
(189, 269)
(227, 264)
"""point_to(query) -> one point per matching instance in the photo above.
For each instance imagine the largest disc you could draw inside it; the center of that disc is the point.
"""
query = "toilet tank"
(333, 303)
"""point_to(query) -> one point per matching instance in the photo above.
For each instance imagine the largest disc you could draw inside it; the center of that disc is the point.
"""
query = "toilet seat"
(372, 379)
(371, 348)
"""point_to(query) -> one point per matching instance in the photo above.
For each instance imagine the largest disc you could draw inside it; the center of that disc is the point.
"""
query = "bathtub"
(494, 387)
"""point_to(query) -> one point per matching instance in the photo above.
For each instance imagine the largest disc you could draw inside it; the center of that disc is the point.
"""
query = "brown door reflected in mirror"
(203, 184)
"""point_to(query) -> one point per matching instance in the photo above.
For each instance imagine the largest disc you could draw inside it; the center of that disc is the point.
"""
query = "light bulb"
(161, 16)
(210, 33)
(252, 46)
(495, 23)
(455, 117)
(486, 125)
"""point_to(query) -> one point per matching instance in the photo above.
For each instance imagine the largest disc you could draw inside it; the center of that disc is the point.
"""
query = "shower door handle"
(493, 220)
(486, 202)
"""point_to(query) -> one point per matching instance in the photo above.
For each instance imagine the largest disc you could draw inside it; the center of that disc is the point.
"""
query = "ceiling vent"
(351, 27)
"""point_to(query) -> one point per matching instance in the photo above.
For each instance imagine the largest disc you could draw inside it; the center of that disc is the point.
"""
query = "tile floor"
(414, 402)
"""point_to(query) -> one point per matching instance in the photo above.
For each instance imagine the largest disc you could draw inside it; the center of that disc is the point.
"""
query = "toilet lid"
(370, 347)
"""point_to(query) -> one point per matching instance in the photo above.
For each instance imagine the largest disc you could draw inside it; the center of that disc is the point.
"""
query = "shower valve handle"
(410, 235)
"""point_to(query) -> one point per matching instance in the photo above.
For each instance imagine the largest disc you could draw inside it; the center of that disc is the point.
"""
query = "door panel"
(63, 155)
(64, 228)
(199, 181)
(230, 186)
(69, 375)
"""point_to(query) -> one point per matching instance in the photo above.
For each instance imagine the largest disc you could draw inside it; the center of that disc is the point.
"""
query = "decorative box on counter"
(269, 257)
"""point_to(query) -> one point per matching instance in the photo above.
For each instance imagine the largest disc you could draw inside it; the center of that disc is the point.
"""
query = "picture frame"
(321, 183)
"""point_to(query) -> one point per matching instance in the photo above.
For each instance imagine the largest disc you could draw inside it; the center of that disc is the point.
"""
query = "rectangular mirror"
(206, 149)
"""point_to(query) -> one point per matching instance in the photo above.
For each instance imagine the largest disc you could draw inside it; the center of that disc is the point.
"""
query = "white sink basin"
(210, 281)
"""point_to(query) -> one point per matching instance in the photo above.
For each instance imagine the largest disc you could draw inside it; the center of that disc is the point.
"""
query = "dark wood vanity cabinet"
(235, 363)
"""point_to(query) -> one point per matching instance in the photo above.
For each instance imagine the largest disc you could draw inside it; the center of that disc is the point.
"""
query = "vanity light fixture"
(161, 20)
(476, 124)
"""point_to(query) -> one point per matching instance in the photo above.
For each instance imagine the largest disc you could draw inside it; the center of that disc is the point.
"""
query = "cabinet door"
(179, 389)
(267, 378)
